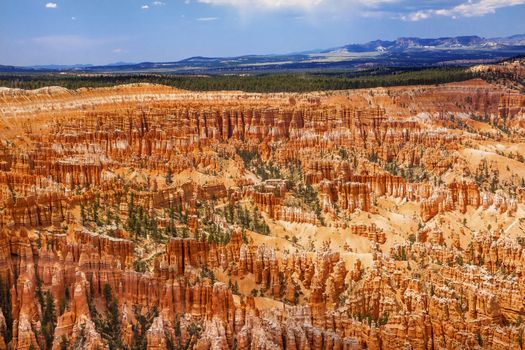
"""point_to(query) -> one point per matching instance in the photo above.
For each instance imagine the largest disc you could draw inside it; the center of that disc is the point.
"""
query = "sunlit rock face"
(146, 217)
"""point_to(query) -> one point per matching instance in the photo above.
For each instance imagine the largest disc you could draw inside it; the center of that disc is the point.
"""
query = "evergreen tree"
(110, 327)
(64, 343)
(64, 303)
(5, 306)
(169, 177)
(82, 214)
(49, 320)
(139, 330)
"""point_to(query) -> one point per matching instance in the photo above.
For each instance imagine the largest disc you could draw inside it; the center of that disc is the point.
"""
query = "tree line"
(268, 82)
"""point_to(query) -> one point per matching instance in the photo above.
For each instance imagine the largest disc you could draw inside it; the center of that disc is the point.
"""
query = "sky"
(64, 32)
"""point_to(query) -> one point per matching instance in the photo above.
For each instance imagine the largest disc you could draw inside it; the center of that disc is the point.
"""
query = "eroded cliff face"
(145, 217)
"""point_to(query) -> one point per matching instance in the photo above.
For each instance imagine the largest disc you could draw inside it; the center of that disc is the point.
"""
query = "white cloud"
(207, 19)
(145, 7)
(471, 8)
(158, 3)
(267, 4)
(73, 18)
(416, 16)
(51, 5)
(118, 50)
(408, 10)
(480, 8)
(300, 5)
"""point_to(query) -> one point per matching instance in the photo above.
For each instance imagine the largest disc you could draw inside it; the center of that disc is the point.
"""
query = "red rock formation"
(173, 161)
(372, 232)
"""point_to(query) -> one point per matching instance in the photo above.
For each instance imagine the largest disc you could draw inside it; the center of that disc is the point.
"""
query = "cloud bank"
(468, 9)
(408, 10)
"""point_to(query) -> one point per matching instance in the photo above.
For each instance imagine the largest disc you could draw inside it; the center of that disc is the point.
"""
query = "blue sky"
(34, 32)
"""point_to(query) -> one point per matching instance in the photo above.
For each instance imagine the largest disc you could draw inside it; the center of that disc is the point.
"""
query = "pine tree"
(64, 343)
(169, 177)
(83, 214)
(5, 306)
(110, 327)
(49, 320)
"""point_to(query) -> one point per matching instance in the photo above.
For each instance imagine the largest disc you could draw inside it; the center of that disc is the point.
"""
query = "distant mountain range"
(403, 52)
